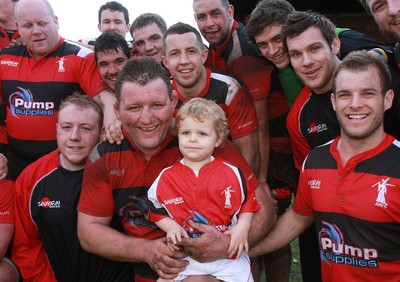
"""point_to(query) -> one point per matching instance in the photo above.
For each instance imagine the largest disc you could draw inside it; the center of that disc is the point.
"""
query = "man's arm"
(213, 244)
(6, 233)
(96, 236)
(107, 99)
(248, 146)
(263, 138)
(3, 167)
(288, 227)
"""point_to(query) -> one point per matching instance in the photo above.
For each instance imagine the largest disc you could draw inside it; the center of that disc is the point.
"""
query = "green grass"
(295, 269)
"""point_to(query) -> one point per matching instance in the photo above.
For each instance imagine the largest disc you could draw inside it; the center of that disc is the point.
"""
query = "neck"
(192, 92)
(350, 147)
(196, 165)
(69, 167)
(9, 23)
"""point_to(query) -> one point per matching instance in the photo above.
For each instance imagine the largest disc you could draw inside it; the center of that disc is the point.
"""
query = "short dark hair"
(83, 101)
(142, 70)
(365, 5)
(114, 6)
(298, 22)
(268, 12)
(362, 60)
(224, 3)
(182, 28)
(147, 19)
(111, 40)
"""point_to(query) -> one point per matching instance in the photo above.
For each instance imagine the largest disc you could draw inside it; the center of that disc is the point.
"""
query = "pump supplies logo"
(21, 103)
(334, 250)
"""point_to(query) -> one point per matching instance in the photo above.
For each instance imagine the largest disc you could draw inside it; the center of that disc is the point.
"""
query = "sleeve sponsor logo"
(9, 63)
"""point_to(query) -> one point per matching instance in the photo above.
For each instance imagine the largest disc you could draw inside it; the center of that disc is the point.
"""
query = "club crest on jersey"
(382, 190)
(60, 63)
(227, 193)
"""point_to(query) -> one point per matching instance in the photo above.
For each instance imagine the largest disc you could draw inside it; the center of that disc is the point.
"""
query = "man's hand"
(210, 246)
(163, 260)
(114, 133)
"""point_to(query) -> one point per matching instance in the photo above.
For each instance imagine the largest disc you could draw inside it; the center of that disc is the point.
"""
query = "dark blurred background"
(343, 13)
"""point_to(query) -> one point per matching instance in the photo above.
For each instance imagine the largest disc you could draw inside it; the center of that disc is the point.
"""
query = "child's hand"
(238, 242)
(175, 235)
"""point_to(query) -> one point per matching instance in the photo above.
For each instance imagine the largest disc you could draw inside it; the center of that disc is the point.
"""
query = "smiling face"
(145, 112)
(184, 59)
(109, 64)
(78, 131)
(197, 140)
(213, 20)
(37, 26)
(270, 43)
(149, 41)
(314, 59)
(387, 15)
(360, 104)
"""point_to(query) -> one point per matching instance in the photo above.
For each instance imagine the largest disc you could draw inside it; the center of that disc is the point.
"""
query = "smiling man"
(147, 31)
(386, 14)
(46, 246)
(349, 186)
(111, 52)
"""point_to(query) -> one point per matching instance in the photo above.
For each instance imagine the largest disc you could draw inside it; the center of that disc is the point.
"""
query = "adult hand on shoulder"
(114, 133)
(210, 246)
(163, 260)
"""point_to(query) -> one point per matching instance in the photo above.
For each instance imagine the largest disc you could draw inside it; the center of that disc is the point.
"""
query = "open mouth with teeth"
(357, 116)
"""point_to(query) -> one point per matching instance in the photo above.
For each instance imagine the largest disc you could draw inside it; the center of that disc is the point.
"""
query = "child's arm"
(174, 231)
(239, 234)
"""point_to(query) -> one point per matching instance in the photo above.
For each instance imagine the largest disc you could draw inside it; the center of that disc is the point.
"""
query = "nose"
(393, 7)
(193, 138)
(148, 46)
(307, 59)
(75, 134)
(209, 21)
(272, 49)
(36, 29)
(356, 101)
(183, 58)
(112, 69)
(146, 116)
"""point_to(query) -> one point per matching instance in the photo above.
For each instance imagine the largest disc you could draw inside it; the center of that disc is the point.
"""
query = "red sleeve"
(255, 72)
(302, 203)
(96, 195)
(241, 114)
(89, 76)
(300, 146)
(6, 201)
(28, 252)
(231, 154)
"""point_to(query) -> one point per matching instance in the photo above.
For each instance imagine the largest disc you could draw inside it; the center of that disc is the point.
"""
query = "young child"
(204, 189)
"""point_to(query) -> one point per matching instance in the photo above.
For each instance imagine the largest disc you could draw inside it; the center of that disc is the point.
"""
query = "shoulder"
(73, 48)
(321, 158)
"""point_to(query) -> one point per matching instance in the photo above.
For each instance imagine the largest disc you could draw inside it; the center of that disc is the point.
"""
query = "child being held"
(204, 189)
